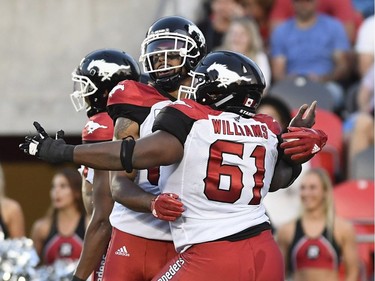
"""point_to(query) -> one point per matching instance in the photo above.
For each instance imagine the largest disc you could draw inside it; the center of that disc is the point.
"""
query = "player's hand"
(46, 148)
(301, 144)
(166, 206)
(305, 116)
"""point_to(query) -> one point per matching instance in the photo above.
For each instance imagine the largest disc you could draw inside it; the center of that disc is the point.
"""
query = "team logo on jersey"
(115, 88)
(313, 252)
(225, 77)
(91, 126)
(122, 252)
(107, 69)
(66, 250)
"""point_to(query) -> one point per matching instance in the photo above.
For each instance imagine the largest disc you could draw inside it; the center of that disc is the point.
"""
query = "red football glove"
(166, 207)
(301, 144)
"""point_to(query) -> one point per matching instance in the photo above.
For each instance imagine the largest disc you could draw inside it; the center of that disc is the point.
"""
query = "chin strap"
(94, 110)
(171, 83)
(241, 110)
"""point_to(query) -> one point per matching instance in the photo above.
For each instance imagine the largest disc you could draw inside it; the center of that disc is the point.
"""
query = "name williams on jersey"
(226, 127)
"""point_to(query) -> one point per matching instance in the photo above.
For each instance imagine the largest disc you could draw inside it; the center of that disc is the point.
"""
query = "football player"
(96, 75)
(172, 47)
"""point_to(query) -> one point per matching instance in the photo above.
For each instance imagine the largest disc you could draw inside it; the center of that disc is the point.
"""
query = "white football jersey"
(225, 173)
(149, 100)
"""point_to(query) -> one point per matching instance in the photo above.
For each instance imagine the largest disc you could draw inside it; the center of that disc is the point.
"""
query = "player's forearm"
(284, 175)
(87, 195)
(95, 246)
(103, 156)
(158, 149)
(129, 194)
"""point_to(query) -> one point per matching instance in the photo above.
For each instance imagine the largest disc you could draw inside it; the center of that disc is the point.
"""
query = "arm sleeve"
(174, 122)
(132, 112)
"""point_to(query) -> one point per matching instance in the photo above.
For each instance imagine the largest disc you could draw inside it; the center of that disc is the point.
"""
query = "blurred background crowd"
(307, 49)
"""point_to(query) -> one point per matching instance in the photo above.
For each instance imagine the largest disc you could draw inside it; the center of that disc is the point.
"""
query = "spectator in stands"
(243, 37)
(260, 11)
(365, 98)
(365, 46)
(340, 9)
(314, 244)
(12, 221)
(365, 7)
(60, 234)
(361, 137)
(359, 126)
(216, 24)
(311, 45)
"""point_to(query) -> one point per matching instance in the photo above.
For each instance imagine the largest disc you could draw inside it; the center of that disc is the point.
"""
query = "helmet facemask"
(167, 39)
(189, 92)
(167, 45)
(82, 87)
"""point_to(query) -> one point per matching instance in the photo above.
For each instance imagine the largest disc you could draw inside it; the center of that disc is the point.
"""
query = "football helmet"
(171, 38)
(96, 75)
(227, 81)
